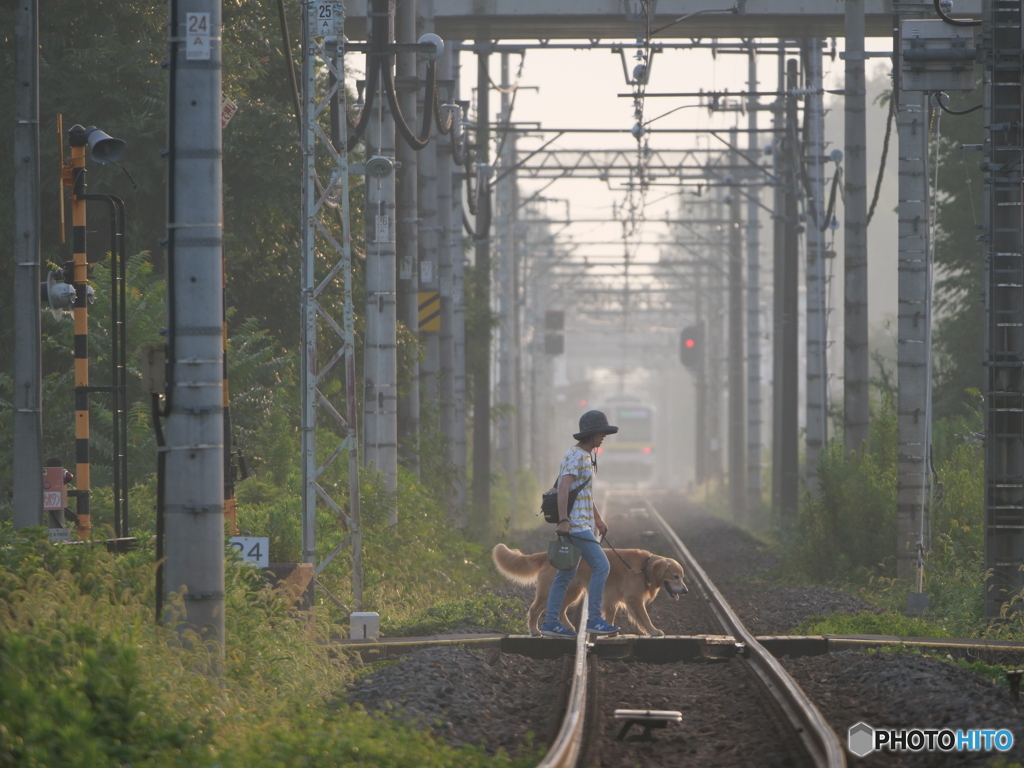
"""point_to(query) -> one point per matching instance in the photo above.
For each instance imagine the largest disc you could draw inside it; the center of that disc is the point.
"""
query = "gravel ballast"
(486, 698)
(495, 700)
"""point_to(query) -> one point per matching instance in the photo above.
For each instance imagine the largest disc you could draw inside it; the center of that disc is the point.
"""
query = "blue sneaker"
(556, 629)
(599, 626)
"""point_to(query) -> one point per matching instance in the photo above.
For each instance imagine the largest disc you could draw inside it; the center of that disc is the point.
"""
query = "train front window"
(634, 425)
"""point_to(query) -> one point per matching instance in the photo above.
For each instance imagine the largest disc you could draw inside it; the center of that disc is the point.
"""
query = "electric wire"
(885, 155)
(954, 22)
(832, 198)
(938, 100)
(415, 142)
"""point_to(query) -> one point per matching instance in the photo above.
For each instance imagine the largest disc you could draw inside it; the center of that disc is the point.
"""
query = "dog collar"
(643, 570)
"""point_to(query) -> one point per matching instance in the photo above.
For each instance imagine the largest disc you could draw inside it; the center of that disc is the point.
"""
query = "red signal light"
(647, 449)
(600, 450)
(690, 343)
(583, 403)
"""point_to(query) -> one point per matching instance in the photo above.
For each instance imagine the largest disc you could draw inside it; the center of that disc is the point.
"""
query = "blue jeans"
(598, 562)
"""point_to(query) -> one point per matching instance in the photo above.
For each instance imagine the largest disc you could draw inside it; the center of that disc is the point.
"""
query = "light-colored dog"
(631, 584)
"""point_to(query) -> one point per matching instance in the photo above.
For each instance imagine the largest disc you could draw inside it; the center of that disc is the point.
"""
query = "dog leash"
(643, 568)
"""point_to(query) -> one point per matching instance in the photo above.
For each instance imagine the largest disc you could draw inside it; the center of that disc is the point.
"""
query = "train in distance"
(627, 459)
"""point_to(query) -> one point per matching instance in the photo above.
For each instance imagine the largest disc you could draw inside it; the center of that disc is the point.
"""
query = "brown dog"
(631, 587)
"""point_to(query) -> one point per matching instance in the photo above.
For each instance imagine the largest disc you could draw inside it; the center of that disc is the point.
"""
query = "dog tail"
(517, 567)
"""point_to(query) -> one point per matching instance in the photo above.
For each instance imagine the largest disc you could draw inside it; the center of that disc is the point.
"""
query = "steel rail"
(817, 735)
(565, 749)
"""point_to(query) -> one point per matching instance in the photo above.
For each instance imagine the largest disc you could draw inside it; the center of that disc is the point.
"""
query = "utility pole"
(716, 345)
(778, 260)
(504, 288)
(431, 236)
(913, 325)
(194, 501)
(480, 358)
(458, 247)
(737, 395)
(1004, 276)
(448, 234)
(856, 406)
(27, 462)
(788, 285)
(753, 300)
(817, 318)
(380, 365)
(407, 232)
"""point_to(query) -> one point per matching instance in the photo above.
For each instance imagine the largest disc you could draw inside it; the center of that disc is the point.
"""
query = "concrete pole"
(778, 261)
(458, 251)
(817, 376)
(449, 228)
(380, 371)
(407, 232)
(737, 395)
(856, 407)
(194, 501)
(788, 427)
(504, 290)
(913, 324)
(753, 302)
(480, 358)
(27, 462)
(715, 343)
(430, 238)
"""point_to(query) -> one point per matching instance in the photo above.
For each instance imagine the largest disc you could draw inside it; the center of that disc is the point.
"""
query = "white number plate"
(197, 36)
(253, 549)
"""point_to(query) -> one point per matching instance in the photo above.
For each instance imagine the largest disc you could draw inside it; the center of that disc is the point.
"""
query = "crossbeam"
(617, 20)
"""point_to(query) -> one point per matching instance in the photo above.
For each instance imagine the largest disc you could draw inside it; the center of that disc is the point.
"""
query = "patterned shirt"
(580, 465)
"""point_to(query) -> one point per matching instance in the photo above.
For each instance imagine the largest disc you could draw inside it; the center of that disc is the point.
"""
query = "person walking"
(581, 524)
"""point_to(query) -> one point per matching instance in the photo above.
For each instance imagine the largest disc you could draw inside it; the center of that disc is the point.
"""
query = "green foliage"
(959, 258)
(88, 680)
(850, 526)
(501, 614)
(871, 623)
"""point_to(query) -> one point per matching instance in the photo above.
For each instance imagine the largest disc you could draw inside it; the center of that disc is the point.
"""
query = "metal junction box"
(936, 56)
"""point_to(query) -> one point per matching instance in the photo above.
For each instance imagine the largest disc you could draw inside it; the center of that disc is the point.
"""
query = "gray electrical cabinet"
(936, 56)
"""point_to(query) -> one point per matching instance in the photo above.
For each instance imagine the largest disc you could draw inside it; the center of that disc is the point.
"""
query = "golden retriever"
(631, 588)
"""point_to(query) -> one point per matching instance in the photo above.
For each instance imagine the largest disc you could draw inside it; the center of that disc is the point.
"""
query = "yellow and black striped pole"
(78, 139)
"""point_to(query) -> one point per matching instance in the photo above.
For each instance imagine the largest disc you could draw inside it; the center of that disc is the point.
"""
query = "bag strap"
(578, 488)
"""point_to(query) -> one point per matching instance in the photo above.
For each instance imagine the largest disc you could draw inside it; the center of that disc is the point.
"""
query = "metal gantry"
(326, 277)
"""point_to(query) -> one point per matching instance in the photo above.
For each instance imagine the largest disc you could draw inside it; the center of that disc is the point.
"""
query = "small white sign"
(227, 110)
(59, 534)
(52, 500)
(197, 36)
(405, 268)
(322, 21)
(383, 229)
(426, 271)
(253, 549)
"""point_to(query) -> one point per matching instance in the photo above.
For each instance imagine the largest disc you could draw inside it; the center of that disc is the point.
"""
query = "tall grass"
(849, 527)
(88, 679)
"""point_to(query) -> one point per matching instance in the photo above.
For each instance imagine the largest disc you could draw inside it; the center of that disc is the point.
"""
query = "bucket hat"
(592, 423)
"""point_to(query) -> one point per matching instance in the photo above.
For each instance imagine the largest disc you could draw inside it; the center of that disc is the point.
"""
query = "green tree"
(959, 259)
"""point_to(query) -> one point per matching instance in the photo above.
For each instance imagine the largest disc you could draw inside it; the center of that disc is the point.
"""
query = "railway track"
(783, 724)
